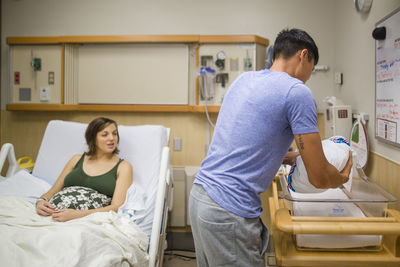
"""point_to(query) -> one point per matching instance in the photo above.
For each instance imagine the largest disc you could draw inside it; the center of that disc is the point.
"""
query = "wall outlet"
(177, 144)
(44, 94)
(338, 77)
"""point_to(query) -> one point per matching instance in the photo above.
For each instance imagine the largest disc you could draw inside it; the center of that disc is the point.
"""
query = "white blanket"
(100, 239)
(336, 150)
(25, 185)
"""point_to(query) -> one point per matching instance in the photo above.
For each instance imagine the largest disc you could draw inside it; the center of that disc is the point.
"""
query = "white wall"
(355, 57)
(119, 17)
(342, 35)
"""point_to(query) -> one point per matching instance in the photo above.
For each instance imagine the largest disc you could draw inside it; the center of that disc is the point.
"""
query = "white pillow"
(336, 150)
(61, 140)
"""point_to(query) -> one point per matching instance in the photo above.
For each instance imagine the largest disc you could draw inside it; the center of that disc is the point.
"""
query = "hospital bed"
(145, 209)
(339, 227)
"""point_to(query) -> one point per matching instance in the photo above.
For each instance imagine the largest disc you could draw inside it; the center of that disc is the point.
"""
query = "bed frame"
(7, 152)
(158, 242)
(285, 226)
(158, 236)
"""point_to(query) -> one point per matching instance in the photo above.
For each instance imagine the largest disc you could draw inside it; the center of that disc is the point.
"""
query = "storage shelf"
(115, 108)
(99, 39)
(233, 39)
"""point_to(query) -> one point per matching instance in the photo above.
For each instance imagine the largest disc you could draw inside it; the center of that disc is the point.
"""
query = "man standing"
(261, 114)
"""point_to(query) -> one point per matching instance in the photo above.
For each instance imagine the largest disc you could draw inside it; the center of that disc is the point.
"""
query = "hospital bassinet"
(340, 227)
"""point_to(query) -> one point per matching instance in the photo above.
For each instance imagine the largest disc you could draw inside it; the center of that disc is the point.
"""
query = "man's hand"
(290, 158)
(347, 169)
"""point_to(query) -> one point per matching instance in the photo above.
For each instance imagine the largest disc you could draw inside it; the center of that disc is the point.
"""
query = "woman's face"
(107, 139)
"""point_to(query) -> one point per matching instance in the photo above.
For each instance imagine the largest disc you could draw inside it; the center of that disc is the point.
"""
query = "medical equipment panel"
(177, 216)
(222, 63)
(338, 121)
(36, 75)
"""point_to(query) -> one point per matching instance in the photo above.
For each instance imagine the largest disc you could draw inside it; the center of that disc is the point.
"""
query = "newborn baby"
(336, 150)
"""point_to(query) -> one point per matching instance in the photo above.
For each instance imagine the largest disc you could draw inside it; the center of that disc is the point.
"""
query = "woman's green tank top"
(104, 183)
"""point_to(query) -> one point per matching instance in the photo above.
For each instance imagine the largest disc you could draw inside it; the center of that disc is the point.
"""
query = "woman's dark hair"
(93, 128)
(288, 42)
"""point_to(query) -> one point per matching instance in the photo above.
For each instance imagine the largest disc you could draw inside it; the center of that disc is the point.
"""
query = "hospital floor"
(186, 259)
(180, 250)
(177, 258)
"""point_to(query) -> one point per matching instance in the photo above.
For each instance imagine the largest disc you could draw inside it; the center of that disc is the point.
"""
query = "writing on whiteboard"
(387, 109)
(387, 82)
(386, 71)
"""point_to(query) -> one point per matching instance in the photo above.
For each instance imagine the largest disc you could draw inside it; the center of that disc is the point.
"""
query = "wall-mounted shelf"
(28, 40)
(114, 108)
(237, 39)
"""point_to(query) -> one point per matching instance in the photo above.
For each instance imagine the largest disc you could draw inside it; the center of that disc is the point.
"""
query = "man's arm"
(320, 172)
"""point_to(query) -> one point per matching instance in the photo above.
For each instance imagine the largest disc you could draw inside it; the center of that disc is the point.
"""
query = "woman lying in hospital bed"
(95, 181)
(71, 225)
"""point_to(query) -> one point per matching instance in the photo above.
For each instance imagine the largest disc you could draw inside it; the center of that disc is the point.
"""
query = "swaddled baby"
(336, 150)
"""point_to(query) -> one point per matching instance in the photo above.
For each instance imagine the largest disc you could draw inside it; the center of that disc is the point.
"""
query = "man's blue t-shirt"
(261, 112)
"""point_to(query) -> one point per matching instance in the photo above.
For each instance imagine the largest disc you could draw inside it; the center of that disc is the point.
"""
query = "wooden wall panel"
(386, 173)
(25, 130)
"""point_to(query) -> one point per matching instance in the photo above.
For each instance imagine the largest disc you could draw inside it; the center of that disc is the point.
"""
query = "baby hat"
(336, 150)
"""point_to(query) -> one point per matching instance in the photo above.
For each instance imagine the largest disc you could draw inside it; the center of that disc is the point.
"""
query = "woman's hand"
(44, 208)
(67, 214)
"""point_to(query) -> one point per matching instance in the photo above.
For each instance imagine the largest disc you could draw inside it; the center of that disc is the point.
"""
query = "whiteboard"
(387, 86)
(133, 74)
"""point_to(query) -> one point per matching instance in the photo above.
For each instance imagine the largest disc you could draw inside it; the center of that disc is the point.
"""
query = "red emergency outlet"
(16, 77)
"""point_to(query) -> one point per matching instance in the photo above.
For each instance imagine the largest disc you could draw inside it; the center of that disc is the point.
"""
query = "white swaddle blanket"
(336, 150)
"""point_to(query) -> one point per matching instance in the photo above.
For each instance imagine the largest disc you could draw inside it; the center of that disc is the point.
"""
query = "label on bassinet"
(337, 211)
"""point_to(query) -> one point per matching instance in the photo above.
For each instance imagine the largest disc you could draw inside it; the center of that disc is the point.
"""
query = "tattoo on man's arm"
(301, 143)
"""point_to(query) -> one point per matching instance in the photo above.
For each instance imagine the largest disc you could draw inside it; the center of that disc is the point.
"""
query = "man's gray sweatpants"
(222, 238)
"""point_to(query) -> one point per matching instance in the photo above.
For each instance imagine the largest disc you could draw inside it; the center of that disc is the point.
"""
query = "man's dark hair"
(288, 42)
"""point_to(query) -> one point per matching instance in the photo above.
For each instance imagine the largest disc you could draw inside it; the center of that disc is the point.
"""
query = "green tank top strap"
(80, 161)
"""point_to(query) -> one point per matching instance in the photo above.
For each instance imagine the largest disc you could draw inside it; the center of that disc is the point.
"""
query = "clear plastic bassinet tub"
(363, 202)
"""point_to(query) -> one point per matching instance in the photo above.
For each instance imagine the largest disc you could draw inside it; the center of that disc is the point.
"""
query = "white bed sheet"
(100, 239)
(336, 209)
(24, 185)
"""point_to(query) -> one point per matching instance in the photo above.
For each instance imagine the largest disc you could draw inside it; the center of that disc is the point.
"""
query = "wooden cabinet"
(144, 73)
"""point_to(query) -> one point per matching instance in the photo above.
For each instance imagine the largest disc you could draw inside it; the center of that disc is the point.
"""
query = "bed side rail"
(331, 225)
(7, 152)
(158, 234)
